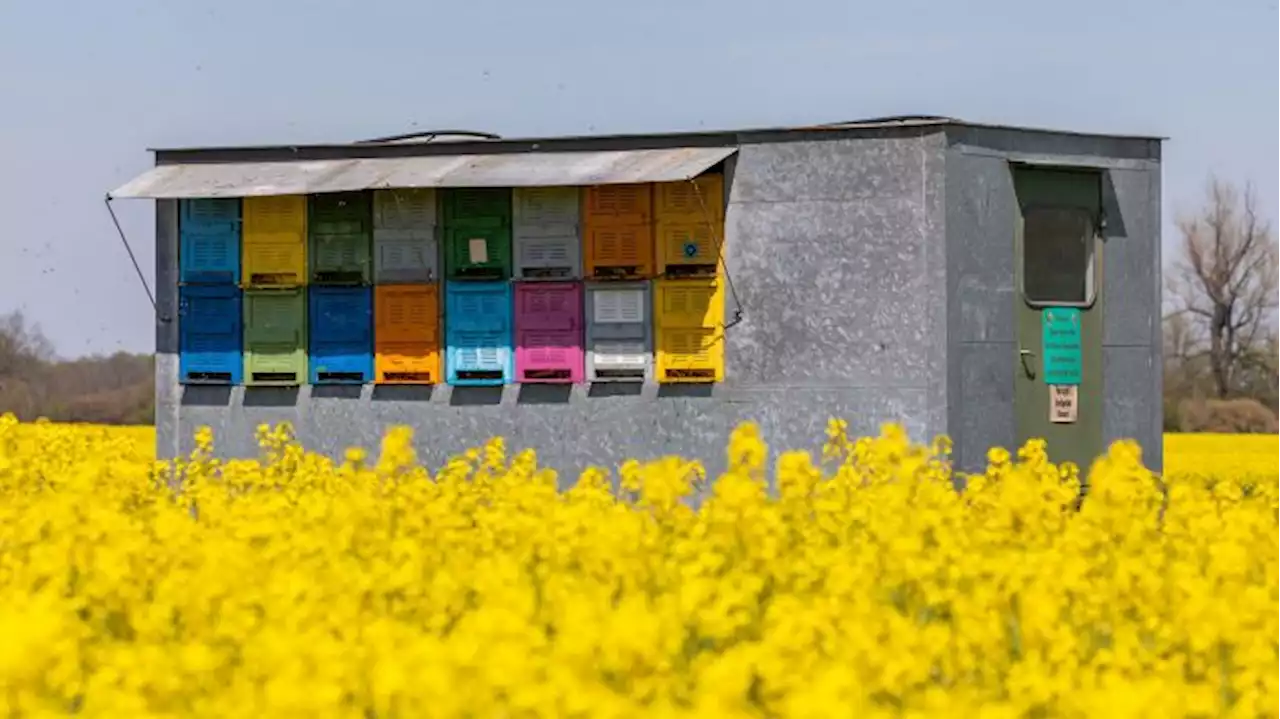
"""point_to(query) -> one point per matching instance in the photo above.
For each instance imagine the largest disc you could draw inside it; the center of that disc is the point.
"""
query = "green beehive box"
(275, 337)
(477, 252)
(340, 238)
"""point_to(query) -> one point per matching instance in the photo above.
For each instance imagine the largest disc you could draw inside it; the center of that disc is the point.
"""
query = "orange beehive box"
(617, 232)
(406, 335)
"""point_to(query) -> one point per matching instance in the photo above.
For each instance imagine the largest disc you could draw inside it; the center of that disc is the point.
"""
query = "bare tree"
(21, 343)
(1223, 287)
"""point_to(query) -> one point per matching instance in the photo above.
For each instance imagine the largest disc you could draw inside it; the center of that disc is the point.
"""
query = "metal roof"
(248, 179)
(465, 158)
(721, 136)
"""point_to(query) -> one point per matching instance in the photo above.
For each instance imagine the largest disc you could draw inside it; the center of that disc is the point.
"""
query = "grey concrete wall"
(169, 429)
(836, 253)
(981, 211)
(1132, 365)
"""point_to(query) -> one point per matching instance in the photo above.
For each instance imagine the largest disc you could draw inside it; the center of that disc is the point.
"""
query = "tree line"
(104, 389)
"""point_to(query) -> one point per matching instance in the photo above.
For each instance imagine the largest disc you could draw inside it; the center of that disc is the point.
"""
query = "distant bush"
(1230, 415)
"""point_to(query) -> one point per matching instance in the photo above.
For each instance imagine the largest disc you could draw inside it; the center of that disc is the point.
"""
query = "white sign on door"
(1064, 403)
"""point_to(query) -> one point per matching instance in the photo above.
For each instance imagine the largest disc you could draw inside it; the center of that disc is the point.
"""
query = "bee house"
(986, 282)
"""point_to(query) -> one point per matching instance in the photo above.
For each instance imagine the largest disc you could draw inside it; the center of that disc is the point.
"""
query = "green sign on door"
(1060, 333)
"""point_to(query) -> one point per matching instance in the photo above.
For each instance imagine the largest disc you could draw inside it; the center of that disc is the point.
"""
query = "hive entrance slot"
(340, 277)
(621, 272)
(480, 273)
(408, 376)
(545, 273)
(545, 374)
(620, 374)
(692, 374)
(477, 374)
(683, 271)
(209, 377)
(273, 278)
(275, 377)
(344, 377)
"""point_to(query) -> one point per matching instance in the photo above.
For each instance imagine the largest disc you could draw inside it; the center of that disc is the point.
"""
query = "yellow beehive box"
(275, 241)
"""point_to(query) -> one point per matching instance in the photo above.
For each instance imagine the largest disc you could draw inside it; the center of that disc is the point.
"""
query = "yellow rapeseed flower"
(859, 583)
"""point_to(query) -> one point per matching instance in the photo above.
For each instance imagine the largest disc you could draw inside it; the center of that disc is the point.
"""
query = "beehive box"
(619, 334)
(340, 335)
(210, 335)
(549, 332)
(689, 328)
(274, 253)
(478, 330)
(209, 241)
(618, 231)
(407, 334)
(339, 238)
(275, 336)
(689, 226)
(406, 245)
(546, 233)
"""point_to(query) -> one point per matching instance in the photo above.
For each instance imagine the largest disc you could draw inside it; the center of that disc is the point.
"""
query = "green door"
(1058, 385)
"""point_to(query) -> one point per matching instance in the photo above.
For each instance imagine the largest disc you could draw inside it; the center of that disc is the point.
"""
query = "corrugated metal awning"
(529, 169)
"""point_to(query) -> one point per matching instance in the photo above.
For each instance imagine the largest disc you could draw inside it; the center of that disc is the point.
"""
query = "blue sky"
(88, 86)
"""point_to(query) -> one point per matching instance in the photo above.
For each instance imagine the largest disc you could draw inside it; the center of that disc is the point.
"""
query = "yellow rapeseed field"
(861, 585)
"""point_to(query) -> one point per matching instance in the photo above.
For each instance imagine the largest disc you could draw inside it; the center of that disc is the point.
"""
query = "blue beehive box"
(340, 335)
(478, 331)
(209, 335)
(209, 241)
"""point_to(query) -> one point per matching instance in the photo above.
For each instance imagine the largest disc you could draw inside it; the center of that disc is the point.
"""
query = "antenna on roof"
(893, 119)
(429, 135)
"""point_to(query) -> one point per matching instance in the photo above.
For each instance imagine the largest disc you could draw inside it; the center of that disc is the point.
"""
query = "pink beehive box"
(549, 332)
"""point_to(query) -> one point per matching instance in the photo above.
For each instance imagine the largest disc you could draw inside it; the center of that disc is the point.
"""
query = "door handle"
(1026, 368)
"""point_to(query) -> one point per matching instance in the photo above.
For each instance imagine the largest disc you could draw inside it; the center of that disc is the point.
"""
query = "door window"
(1057, 256)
